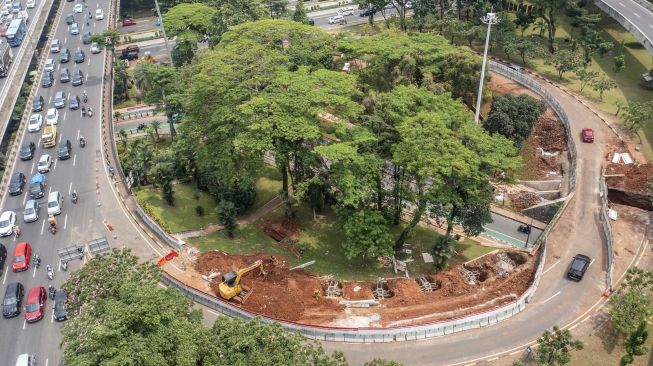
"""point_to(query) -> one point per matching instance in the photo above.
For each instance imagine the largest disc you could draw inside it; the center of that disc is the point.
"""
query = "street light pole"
(163, 30)
(489, 19)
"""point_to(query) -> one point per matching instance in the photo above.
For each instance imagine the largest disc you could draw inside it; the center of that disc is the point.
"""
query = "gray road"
(322, 20)
(636, 14)
(77, 223)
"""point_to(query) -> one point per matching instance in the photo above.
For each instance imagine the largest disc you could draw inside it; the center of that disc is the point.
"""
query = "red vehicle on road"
(126, 22)
(588, 135)
(22, 255)
(35, 304)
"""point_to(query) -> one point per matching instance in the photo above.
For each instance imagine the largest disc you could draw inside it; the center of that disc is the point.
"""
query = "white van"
(55, 203)
(26, 360)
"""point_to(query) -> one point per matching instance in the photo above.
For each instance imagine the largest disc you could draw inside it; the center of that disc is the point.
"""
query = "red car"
(22, 255)
(126, 22)
(588, 135)
(35, 304)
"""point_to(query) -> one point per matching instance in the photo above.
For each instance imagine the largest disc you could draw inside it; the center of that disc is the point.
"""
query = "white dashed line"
(5, 277)
(42, 227)
(74, 159)
(637, 15)
(548, 269)
(552, 296)
(622, 4)
(34, 273)
(24, 323)
(70, 187)
(65, 222)
(32, 171)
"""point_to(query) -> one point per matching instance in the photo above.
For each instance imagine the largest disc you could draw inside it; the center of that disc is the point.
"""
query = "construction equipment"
(231, 289)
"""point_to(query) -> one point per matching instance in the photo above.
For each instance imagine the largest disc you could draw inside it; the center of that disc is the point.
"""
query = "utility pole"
(489, 19)
(163, 29)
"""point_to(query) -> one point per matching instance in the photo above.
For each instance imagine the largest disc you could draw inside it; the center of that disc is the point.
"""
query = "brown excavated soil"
(636, 177)
(299, 296)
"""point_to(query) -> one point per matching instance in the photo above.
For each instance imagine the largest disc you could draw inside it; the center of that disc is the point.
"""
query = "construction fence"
(536, 87)
(607, 229)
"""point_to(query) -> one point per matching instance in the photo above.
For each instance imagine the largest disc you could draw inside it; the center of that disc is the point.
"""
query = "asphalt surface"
(77, 223)
(322, 20)
(636, 14)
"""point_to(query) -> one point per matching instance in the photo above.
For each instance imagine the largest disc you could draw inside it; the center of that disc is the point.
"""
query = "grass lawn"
(268, 186)
(322, 241)
(181, 216)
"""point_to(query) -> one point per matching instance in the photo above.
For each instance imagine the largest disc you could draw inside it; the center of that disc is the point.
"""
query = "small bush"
(330, 129)
(199, 210)
(196, 195)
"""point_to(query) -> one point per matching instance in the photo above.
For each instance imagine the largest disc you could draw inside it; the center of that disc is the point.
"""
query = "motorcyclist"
(50, 272)
(85, 97)
(90, 112)
(83, 111)
(51, 291)
(37, 260)
(74, 196)
(17, 231)
(82, 141)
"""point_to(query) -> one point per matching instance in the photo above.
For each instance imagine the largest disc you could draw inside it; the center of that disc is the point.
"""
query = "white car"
(35, 123)
(55, 203)
(31, 212)
(52, 117)
(30, 4)
(44, 163)
(95, 48)
(49, 65)
(7, 223)
(74, 29)
(6, 10)
(99, 14)
(79, 8)
(346, 11)
(336, 19)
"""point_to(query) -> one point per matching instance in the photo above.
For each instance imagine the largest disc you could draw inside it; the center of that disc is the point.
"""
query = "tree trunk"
(284, 189)
(552, 35)
(452, 215)
(379, 193)
(417, 215)
(396, 175)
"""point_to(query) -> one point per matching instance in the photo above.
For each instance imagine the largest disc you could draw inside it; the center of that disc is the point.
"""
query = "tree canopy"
(514, 116)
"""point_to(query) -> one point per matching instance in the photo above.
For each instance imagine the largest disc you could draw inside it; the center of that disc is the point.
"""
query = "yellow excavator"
(230, 287)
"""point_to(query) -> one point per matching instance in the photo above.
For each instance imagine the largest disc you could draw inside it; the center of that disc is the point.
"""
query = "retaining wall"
(607, 229)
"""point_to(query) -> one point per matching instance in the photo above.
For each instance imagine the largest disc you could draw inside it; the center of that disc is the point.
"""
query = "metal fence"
(630, 27)
(369, 334)
(162, 234)
(607, 229)
(533, 85)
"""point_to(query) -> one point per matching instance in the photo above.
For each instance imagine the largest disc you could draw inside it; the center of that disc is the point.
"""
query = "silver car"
(31, 212)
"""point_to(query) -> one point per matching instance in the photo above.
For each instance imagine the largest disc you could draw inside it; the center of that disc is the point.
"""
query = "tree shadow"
(610, 337)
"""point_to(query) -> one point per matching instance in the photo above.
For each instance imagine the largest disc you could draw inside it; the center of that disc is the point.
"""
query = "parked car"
(17, 183)
(346, 11)
(64, 57)
(59, 99)
(13, 300)
(578, 266)
(337, 19)
(60, 313)
(45, 162)
(22, 257)
(52, 117)
(37, 103)
(31, 211)
(127, 22)
(73, 102)
(35, 304)
(78, 77)
(48, 79)
(27, 151)
(7, 223)
(80, 56)
(588, 135)
(35, 123)
(63, 151)
(64, 75)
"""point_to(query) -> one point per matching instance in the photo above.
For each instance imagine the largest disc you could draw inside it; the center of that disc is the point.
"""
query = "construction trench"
(298, 295)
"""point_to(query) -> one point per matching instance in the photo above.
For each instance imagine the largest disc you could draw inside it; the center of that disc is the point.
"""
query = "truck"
(6, 57)
(49, 137)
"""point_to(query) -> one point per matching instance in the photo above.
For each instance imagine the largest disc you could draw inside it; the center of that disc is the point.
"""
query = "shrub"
(199, 210)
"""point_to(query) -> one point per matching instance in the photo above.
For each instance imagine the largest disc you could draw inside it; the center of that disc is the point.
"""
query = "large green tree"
(630, 305)
(549, 11)
(233, 12)
(367, 234)
(189, 21)
(514, 116)
(554, 348)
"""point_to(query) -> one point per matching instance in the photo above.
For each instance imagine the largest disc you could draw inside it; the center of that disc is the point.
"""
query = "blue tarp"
(37, 178)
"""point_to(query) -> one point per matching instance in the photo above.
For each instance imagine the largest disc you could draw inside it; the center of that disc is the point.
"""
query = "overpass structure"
(634, 15)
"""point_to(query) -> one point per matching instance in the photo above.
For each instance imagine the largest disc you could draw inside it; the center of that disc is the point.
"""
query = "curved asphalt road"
(77, 223)
(636, 14)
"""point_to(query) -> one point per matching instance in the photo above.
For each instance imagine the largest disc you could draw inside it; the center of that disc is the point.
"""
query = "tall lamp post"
(489, 19)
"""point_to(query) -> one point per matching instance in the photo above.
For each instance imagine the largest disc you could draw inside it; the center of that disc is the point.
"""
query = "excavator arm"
(241, 272)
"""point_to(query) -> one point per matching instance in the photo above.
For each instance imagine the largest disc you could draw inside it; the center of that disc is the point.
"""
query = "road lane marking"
(50, 191)
(55, 163)
(24, 323)
(51, 321)
(492, 359)
(651, 25)
(65, 39)
(77, 134)
(592, 261)
(24, 199)
(5, 277)
(34, 274)
(70, 188)
(548, 269)
(637, 15)
(46, 360)
(38, 143)
(32, 171)
(622, 4)
(89, 62)
(74, 159)
(64, 115)
(42, 227)
(65, 222)
(552, 296)
(50, 100)
(60, 137)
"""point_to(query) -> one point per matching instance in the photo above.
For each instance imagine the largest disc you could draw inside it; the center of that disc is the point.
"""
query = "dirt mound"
(280, 229)
(299, 296)
(549, 133)
(636, 179)
(524, 199)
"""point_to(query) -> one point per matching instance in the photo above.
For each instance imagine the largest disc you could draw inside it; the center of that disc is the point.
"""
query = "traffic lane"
(322, 21)
(636, 14)
(158, 49)
(142, 25)
(510, 227)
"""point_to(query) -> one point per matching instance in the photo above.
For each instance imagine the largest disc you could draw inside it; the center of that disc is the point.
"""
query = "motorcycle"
(73, 197)
(85, 97)
(526, 229)
(90, 112)
(64, 265)
(83, 111)
(48, 268)
(53, 224)
(82, 141)
(51, 292)
(37, 260)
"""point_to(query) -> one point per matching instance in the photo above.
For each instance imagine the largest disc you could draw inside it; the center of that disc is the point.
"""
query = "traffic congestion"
(41, 214)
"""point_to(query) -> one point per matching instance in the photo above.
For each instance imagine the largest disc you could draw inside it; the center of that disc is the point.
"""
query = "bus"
(16, 32)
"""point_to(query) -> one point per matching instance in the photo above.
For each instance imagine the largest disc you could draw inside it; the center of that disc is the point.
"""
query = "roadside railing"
(607, 228)
(630, 27)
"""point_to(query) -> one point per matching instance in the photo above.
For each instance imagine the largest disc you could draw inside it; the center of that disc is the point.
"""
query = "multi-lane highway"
(638, 15)
(77, 223)
(321, 18)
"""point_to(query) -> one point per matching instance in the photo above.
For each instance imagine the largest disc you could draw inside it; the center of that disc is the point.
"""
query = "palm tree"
(541, 26)
(155, 125)
(150, 131)
(123, 138)
(120, 73)
(142, 79)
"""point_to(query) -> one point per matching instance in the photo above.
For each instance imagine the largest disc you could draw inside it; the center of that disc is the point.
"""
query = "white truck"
(6, 56)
